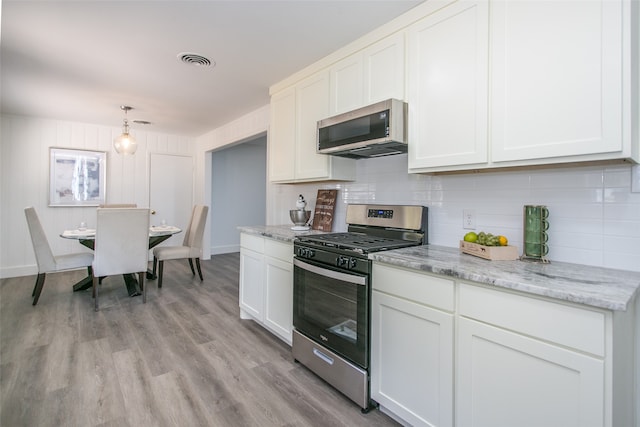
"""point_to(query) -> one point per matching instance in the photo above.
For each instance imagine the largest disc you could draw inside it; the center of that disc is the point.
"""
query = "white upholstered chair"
(47, 262)
(121, 245)
(191, 246)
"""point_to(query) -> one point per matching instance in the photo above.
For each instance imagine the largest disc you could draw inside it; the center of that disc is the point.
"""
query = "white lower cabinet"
(450, 352)
(412, 346)
(528, 362)
(508, 379)
(266, 283)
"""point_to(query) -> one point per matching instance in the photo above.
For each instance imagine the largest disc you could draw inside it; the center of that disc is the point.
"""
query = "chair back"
(122, 241)
(195, 231)
(44, 255)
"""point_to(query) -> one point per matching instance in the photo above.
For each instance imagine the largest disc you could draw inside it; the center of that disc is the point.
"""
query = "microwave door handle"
(350, 278)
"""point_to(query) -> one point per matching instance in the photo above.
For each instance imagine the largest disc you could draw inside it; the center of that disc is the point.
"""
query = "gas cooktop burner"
(361, 243)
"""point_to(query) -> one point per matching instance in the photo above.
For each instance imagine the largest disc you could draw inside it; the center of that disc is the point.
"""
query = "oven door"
(332, 308)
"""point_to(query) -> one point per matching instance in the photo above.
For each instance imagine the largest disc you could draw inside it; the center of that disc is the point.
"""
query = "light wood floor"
(183, 359)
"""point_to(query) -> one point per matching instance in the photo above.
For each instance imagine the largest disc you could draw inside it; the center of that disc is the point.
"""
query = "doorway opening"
(238, 192)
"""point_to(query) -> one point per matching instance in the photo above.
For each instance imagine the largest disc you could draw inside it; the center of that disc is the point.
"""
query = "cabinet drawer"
(249, 241)
(279, 250)
(582, 329)
(419, 287)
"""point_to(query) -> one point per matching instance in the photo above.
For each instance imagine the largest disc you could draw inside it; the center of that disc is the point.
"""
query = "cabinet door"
(384, 69)
(447, 87)
(412, 360)
(556, 78)
(507, 379)
(278, 288)
(251, 284)
(312, 104)
(282, 136)
(347, 85)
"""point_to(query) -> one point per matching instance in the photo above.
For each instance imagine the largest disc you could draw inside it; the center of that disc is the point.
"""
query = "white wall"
(594, 216)
(24, 180)
(240, 130)
(238, 192)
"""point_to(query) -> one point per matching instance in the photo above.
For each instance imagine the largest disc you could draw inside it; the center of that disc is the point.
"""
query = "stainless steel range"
(332, 292)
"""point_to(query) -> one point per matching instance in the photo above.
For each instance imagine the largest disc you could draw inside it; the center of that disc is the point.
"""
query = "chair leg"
(155, 262)
(193, 272)
(95, 292)
(143, 286)
(160, 269)
(35, 286)
(38, 288)
(199, 269)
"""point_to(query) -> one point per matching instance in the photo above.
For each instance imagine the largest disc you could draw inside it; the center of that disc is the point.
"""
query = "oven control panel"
(339, 261)
(380, 213)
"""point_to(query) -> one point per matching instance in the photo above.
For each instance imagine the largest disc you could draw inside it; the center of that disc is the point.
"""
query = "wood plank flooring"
(183, 359)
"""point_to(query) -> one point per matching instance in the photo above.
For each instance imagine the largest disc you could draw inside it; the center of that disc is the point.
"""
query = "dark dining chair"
(121, 245)
(191, 248)
(47, 262)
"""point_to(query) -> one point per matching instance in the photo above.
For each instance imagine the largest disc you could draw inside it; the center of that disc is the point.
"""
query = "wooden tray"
(494, 253)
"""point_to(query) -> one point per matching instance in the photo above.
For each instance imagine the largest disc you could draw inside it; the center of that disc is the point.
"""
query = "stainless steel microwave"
(376, 130)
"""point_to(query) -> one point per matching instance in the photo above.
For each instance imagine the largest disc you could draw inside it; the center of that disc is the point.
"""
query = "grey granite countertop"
(594, 286)
(283, 233)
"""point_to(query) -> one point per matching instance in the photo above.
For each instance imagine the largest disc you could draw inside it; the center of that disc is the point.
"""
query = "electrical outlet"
(469, 219)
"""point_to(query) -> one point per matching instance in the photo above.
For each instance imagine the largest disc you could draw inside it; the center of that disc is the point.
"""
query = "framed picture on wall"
(77, 177)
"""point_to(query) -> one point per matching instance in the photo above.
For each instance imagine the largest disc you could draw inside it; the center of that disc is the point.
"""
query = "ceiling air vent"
(195, 59)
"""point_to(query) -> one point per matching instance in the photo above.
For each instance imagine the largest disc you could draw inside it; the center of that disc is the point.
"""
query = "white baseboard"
(218, 250)
(23, 270)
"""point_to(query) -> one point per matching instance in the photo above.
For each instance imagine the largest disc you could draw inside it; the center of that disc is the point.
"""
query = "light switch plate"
(635, 179)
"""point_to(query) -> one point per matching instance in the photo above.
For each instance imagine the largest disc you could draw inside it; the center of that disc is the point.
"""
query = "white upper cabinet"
(526, 82)
(373, 74)
(282, 136)
(448, 87)
(295, 112)
(556, 79)
(384, 69)
(347, 85)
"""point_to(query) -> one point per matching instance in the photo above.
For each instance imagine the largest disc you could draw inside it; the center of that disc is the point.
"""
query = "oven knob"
(310, 253)
(342, 261)
(301, 252)
(353, 262)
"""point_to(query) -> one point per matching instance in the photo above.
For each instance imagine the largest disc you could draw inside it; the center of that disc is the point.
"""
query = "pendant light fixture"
(125, 143)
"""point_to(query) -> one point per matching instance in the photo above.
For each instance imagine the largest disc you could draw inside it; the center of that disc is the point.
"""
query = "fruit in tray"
(486, 239)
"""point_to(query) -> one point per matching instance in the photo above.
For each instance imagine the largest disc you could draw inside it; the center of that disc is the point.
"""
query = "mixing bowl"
(299, 217)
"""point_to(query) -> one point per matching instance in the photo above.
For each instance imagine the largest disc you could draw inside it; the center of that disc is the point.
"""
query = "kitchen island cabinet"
(266, 283)
(533, 344)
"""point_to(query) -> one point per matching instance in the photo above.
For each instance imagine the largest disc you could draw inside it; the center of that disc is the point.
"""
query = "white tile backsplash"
(594, 217)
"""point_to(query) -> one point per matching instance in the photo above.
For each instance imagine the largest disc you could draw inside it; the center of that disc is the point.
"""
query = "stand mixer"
(300, 216)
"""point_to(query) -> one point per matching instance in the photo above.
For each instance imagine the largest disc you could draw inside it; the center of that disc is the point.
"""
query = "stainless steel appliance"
(376, 130)
(332, 292)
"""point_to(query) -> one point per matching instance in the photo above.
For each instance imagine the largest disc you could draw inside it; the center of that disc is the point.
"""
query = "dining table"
(86, 237)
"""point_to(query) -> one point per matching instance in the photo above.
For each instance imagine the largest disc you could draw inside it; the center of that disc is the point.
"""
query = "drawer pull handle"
(323, 356)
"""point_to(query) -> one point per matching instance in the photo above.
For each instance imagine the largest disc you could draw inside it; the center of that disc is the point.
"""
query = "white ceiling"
(80, 60)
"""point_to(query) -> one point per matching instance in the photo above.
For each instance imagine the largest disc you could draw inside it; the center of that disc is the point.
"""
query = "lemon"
(470, 237)
(503, 241)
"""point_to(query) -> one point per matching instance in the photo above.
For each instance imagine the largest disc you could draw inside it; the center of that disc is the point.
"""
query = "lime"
(470, 237)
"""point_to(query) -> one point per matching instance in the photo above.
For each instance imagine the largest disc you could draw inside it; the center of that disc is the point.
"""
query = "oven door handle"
(350, 278)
